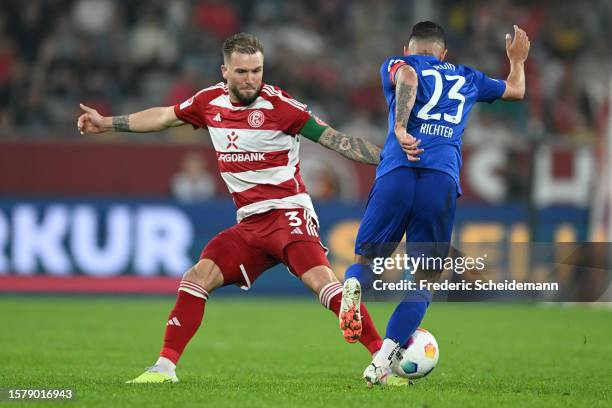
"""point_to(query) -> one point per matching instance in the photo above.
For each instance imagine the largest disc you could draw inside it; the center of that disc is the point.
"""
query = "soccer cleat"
(153, 375)
(350, 313)
(397, 381)
(376, 374)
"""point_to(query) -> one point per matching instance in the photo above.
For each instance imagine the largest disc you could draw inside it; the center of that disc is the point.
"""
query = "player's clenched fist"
(517, 48)
(90, 121)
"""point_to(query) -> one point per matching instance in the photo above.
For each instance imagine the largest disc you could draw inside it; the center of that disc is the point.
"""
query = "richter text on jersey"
(436, 130)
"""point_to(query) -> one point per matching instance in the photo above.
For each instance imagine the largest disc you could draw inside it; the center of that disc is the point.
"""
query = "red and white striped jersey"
(257, 146)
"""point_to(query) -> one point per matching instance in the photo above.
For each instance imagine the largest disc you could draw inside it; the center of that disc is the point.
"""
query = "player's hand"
(409, 144)
(90, 121)
(517, 48)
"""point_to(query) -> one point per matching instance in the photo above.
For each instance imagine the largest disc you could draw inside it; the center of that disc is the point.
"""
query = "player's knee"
(206, 274)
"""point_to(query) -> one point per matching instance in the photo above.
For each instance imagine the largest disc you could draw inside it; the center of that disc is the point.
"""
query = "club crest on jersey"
(256, 118)
(232, 137)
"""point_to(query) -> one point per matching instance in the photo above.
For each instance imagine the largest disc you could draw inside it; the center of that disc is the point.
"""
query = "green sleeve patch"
(313, 130)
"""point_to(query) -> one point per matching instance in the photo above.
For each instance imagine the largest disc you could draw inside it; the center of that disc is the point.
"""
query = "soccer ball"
(421, 356)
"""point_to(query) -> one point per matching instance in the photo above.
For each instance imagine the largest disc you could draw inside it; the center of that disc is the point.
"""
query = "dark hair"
(244, 43)
(428, 30)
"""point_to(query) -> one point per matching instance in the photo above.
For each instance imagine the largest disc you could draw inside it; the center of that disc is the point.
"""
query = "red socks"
(369, 335)
(331, 298)
(186, 317)
(184, 320)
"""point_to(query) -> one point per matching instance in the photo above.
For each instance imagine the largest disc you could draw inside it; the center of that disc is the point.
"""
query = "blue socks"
(362, 273)
(408, 315)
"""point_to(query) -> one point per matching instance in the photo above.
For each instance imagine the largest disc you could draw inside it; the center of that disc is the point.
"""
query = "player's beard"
(243, 99)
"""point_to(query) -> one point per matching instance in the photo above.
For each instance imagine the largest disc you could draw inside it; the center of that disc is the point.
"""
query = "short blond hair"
(243, 43)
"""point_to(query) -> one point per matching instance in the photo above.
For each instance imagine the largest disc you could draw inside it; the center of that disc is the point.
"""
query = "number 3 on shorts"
(294, 220)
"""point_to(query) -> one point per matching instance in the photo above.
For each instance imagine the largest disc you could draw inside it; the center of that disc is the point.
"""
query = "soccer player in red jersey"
(255, 131)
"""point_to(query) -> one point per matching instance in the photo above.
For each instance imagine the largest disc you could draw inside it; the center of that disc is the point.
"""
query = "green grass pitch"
(289, 353)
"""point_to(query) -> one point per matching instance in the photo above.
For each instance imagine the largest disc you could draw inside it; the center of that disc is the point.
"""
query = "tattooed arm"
(351, 147)
(150, 120)
(406, 83)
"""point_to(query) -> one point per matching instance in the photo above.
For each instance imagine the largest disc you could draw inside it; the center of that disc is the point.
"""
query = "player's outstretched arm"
(351, 147)
(517, 50)
(149, 120)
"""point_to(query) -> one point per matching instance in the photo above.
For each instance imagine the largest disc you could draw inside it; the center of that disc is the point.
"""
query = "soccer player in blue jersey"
(417, 180)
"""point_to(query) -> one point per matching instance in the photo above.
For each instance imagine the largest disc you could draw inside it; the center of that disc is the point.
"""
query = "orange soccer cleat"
(350, 314)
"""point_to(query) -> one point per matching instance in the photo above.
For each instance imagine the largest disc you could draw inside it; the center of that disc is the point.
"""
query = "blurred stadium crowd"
(121, 56)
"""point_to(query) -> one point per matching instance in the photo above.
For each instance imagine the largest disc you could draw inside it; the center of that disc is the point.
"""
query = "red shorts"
(244, 251)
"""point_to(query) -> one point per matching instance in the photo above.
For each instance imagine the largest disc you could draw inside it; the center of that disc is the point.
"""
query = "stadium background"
(116, 204)
(116, 213)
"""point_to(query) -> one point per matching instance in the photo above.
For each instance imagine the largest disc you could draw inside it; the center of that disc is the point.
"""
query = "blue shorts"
(419, 202)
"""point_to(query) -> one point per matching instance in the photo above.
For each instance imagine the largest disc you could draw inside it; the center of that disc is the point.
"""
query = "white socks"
(165, 366)
(388, 353)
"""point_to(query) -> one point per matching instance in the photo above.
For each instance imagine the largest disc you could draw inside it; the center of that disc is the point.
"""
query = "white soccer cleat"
(376, 374)
(350, 312)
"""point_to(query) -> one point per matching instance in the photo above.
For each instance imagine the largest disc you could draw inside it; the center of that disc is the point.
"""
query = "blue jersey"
(445, 96)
